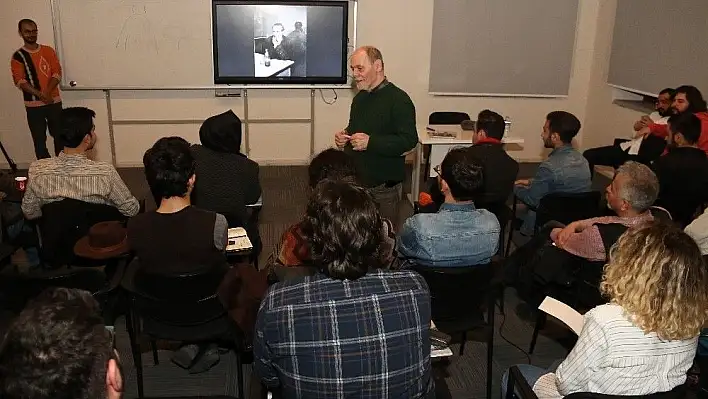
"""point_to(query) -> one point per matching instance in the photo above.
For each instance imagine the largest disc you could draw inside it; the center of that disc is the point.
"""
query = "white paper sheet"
(569, 316)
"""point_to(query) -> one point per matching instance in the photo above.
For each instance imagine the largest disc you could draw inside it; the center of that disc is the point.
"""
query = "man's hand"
(46, 98)
(360, 141)
(562, 236)
(643, 132)
(341, 138)
(646, 120)
(523, 182)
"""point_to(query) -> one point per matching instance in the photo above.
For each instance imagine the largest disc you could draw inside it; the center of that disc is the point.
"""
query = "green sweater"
(387, 115)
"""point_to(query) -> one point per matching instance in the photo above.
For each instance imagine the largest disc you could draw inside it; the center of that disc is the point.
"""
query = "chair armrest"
(518, 383)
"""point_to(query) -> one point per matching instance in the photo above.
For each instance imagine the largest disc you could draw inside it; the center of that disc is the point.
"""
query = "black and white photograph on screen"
(280, 41)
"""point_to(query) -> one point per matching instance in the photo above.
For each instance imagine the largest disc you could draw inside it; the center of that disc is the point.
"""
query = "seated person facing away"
(630, 195)
(59, 348)
(294, 251)
(683, 171)
(177, 237)
(498, 167)
(644, 340)
(354, 329)
(228, 180)
(565, 170)
(73, 175)
(687, 99)
(458, 234)
(649, 150)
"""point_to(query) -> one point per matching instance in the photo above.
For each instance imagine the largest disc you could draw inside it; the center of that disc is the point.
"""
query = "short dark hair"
(671, 92)
(492, 124)
(462, 173)
(76, 123)
(687, 124)
(331, 164)
(342, 226)
(565, 124)
(696, 103)
(25, 21)
(58, 348)
(169, 165)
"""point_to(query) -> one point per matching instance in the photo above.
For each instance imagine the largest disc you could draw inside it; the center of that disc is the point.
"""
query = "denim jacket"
(457, 235)
(565, 171)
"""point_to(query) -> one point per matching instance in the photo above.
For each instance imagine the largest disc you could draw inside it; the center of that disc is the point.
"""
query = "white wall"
(405, 43)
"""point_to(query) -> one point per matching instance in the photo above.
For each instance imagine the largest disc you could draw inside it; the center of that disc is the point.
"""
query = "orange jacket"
(36, 68)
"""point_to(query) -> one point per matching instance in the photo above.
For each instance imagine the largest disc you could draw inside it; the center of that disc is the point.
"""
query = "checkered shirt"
(318, 337)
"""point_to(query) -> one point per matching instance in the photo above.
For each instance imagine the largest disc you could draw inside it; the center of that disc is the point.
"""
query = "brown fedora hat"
(104, 240)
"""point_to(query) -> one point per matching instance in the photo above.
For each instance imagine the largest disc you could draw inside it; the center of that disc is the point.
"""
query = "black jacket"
(683, 182)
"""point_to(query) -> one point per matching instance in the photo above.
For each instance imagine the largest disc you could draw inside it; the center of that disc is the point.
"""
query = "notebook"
(238, 240)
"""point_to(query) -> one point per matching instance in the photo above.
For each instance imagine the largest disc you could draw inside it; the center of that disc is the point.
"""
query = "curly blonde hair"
(657, 274)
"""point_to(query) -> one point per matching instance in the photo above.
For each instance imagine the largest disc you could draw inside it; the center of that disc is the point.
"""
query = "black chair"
(562, 207)
(17, 289)
(63, 223)
(517, 382)
(460, 297)
(183, 308)
(447, 118)
(504, 214)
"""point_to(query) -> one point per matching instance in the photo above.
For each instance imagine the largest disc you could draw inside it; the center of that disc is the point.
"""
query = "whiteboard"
(109, 43)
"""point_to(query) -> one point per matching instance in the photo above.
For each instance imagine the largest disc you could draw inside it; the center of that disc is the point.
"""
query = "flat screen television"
(280, 42)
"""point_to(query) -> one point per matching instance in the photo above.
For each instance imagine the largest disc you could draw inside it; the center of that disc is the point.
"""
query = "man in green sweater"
(381, 129)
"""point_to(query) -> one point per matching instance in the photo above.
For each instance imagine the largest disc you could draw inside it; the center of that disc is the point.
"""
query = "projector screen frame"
(342, 81)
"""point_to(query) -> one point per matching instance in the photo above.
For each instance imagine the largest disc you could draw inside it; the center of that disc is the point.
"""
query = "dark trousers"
(388, 197)
(38, 119)
(613, 155)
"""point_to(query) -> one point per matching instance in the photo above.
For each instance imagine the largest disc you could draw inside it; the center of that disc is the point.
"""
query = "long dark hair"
(342, 226)
(696, 103)
(222, 133)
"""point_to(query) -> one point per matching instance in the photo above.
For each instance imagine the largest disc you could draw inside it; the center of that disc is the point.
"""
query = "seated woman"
(293, 255)
(228, 181)
(644, 340)
(177, 238)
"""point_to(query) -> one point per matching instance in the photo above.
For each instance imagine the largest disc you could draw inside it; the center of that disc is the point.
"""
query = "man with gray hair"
(630, 195)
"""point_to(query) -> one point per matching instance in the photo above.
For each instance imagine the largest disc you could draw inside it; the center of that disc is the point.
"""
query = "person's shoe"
(205, 360)
(185, 356)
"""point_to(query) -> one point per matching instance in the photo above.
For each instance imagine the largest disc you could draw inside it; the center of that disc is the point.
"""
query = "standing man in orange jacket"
(37, 72)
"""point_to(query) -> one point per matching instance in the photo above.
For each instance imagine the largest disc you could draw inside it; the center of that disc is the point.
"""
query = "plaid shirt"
(319, 337)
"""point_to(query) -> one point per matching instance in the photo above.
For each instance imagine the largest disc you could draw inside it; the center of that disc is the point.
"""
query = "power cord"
(334, 100)
(501, 326)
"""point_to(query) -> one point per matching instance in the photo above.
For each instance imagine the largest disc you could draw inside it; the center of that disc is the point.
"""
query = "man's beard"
(669, 111)
(547, 143)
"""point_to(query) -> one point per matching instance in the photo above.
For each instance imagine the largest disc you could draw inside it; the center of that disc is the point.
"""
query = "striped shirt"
(318, 337)
(36, 68)
(77, 177)
(615, 357)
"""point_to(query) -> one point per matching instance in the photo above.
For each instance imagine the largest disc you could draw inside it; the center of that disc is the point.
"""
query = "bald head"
(367, 67)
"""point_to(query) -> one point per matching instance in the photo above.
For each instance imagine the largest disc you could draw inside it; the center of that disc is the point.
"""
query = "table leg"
(415, 183)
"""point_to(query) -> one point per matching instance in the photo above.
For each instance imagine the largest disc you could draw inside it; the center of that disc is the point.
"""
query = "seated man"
(565, 170)
(683, 171)
(178, 238)
(498, 167)
(73, 175)
(458, 234)
(649, 150)
(688, 99)
(293, 256)
(354, 329)
(630, 195)
(58, 348)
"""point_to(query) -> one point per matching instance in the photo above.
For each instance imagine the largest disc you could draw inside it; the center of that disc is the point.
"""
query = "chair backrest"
(568, 207)
(64, 222)
(179, 300)
(457, 292)
(17, 289)
(447, 118)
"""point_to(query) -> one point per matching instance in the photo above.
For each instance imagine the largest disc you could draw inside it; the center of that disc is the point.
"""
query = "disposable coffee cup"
(21, 183)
